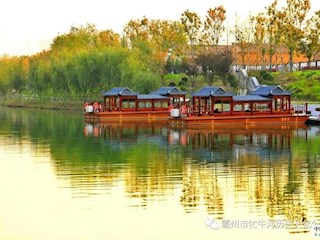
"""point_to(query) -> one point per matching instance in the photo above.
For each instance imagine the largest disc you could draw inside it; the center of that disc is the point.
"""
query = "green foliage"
(80, 64)
(85, 61)
(232, 80)
(266, 78)
(306, 86)
(215, 64)
(13, 74)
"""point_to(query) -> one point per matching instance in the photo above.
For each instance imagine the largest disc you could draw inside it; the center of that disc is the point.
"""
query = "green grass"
(304, 85)
(40, 103)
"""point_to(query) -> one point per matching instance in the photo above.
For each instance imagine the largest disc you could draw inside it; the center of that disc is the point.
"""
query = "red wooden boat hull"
(260, 120)
(120, 116)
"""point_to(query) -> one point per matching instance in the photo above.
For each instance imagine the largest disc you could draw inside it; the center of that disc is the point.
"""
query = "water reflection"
(234, 173)
(268, 171)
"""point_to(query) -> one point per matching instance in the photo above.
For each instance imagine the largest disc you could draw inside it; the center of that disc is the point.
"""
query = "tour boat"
(123, 104)
(267, 105)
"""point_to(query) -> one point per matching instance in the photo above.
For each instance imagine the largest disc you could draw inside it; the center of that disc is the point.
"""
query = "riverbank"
(40, 103)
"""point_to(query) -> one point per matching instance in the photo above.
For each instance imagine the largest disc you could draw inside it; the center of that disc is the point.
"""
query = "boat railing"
(300, 109)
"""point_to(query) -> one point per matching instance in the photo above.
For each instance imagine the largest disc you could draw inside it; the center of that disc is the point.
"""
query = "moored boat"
(267, 105)
(313, 120)
(123, 104)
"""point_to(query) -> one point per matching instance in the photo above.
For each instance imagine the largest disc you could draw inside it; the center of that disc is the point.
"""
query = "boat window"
(286, 104)
(261, 107)
(128, 103)
(237, 108)
(225, 107)
(161, 104)
(145, 105)
(277, 104)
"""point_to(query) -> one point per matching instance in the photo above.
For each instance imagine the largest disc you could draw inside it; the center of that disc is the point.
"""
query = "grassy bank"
(40, 103)
(304, 85)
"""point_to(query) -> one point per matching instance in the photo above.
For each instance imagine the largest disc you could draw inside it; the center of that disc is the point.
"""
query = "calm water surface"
(62, 178)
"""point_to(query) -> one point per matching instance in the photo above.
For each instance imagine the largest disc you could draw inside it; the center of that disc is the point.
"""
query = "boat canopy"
(152, 97)
(169, 91)
(270, 91)
(250, 98)
(119, 91)
(212, 91)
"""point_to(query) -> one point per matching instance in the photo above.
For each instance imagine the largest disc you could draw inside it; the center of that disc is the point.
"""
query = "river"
(62, 178)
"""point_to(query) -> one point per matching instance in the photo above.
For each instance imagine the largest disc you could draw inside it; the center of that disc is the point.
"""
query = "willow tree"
(213, 26)
(13, 73)
(81, 38)
(292, 18)
(7, 65)
(39, 75)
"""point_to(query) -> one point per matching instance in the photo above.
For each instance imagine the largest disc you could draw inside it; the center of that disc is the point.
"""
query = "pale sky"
(28, 26)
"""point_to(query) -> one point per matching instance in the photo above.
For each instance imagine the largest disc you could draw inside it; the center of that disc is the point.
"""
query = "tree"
(310, 44)
(207, 61)
(168, 35)
(215, 64)
(292, 18)
(81, 38)
(6, 68)
(136, 29)
(260, 37)
(190, 68)
(243, 35)
(213, 26)
(19, 73)
(159, 37)
(109, 38)
(273, 27)
(192, 25)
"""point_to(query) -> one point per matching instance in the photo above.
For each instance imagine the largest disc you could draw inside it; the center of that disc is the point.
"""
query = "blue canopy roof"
(250, 98)
(270, 91)
(168, 91)
(119, 91)
(151, 96)
(212, 91)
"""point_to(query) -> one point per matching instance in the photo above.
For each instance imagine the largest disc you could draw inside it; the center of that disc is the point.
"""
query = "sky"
(29, 26)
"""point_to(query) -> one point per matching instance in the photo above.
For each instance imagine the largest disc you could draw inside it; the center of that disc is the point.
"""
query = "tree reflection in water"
(270, 173)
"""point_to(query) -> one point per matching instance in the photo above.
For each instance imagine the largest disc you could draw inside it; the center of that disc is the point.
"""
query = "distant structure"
(246, 84)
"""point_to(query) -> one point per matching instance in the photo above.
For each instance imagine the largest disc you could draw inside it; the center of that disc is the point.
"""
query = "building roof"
(250, 98)
(151, 96)
(270, 91)
(119, 91)
(212, 91)
(168, 91)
